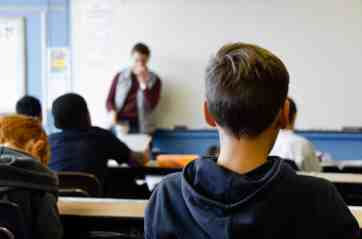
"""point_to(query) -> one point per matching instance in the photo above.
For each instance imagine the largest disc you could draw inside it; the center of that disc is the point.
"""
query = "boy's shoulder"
(306, 183)
(309, 191)
(169, 187)
(171, 181)
(294, 183)
(312, 183)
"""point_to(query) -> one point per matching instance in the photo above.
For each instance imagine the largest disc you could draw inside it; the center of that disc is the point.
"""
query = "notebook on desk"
(136, 142)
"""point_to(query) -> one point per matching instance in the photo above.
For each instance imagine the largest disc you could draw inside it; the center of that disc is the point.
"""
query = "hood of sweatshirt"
(20, 170)
(214, 195)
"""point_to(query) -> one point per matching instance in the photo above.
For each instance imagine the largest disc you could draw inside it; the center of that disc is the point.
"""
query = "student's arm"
(110, 104)
(310, 160)
(152, 94)
(47, 222)
(122, 154)
(338, 221)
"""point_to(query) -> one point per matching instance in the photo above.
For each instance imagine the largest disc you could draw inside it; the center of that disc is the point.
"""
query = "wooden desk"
(123, 209)
(342, 163)
(342, 166)
(82, 215)
(340, 178)
(92, 207)
(133, 181)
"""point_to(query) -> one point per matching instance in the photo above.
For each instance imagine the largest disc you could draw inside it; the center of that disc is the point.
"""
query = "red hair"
(26, 134)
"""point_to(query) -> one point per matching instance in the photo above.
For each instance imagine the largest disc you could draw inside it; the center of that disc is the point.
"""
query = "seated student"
(81, 147)
(29, 106)
(246, 194)
(24, 177)
(294, 147)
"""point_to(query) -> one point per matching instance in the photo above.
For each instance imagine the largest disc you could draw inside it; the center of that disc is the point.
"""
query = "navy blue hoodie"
(272, 201)
(86, 150)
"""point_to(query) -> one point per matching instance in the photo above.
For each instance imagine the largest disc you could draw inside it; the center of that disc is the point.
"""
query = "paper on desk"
(114, 164)
(152, 181)
(136, 142)
(349, 163)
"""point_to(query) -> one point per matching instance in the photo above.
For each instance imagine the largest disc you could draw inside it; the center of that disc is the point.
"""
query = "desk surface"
(92, 207)
(160, 172)
(127, 209)
(337, 177)
(341, 164)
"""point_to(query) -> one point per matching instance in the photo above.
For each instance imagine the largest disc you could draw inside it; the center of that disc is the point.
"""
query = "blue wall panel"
(340, 145)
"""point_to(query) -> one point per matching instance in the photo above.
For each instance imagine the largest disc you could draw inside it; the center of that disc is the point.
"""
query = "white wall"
(12, 62)
(320, 42)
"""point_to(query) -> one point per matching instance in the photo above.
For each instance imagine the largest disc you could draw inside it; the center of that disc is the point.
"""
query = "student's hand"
(139, 159)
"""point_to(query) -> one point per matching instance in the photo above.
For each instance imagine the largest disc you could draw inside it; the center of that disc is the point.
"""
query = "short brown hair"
(19, 130)
(141, 48)
(246, 87)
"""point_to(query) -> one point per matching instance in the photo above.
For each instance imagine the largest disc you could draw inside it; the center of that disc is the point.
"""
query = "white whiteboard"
(320, 42)
(12, 62)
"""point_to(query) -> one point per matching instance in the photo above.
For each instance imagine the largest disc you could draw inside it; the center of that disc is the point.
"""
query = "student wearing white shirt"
(294, 147)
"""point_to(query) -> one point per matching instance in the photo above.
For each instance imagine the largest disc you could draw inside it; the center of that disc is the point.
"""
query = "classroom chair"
(6, 233)
(12, 224)
(77, 184)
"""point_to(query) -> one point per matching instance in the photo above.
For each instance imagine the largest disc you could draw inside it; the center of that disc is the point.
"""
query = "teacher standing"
(135, 92)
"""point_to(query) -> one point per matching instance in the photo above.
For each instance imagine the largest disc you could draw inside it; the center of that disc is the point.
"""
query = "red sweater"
(129, 110)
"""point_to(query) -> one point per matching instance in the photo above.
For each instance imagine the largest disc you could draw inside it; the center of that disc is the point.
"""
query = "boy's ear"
(284, 115)
(208, 117)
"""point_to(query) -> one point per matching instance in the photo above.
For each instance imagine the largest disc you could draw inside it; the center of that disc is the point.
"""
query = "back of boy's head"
(70, 111)
(246, 87)
(29, 106)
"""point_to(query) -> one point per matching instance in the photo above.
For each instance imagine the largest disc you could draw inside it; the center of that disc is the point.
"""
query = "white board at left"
(12, 62)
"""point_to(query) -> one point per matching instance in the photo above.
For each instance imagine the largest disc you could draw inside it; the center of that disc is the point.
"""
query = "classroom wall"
(320, 42)
(47, 26)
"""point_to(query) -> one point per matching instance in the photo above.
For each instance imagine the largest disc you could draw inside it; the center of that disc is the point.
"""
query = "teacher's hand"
(142, 74)
(114, 117)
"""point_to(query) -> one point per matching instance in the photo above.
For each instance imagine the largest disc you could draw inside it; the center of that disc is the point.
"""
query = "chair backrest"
(5, 233)
(12, 224)
(78, 184)
(73, 192)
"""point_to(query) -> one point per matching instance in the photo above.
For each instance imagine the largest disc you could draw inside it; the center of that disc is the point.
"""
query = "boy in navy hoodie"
(245, 193)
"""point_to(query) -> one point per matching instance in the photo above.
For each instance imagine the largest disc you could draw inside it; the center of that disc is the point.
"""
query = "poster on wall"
(58, 60)
(58, 74)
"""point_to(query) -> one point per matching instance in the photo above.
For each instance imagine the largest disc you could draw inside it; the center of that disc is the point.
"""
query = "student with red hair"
(24, 177)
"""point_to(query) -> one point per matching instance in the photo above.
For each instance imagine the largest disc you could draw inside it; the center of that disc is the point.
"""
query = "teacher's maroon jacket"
(129, 110)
